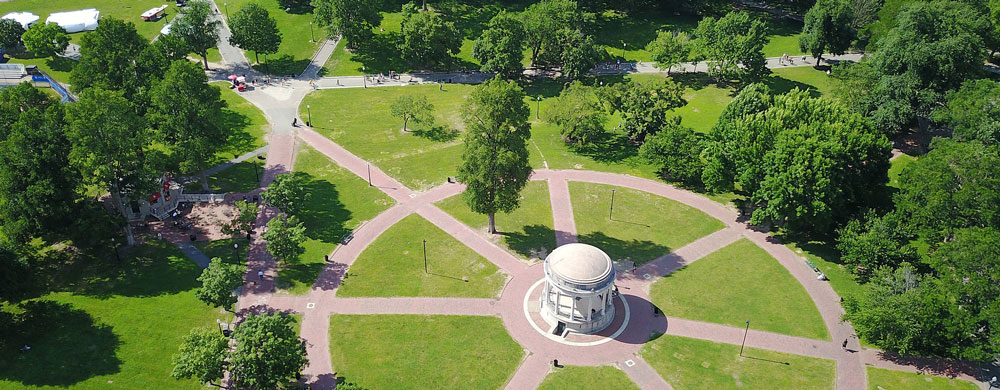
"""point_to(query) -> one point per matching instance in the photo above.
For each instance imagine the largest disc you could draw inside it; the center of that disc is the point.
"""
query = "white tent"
(76, 21)
(25, 18)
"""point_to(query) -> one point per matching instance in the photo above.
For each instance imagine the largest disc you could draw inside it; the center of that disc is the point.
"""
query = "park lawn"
(240, 177)
(802, 77)
(896, 166)
(223, 249)
(340, 202)
(393, 266)
(246, 123)
(704, 106)
(643, 226)
(826, 257)
(738, 283)
(296, 49)
(423, 352)
(381, 55)
(112, 326)
(692, 364)
(581, 377)
(360, 120)
(527, 231)
(883, 379)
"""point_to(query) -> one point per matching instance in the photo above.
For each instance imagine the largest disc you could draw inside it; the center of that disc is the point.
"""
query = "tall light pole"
(369, 175)
(612, 212)
(311, 35)
(425, 255)
(364, 77)
(623, 50)
(744, 338)
(236, 254)
(227, 11)
(310, 113)
(538, 106)
(114, 246)
(218, 321)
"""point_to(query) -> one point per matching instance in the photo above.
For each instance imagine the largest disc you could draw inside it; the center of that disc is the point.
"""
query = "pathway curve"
(279, 103)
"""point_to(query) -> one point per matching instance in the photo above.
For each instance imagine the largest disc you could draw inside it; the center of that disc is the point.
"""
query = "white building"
(579, 280)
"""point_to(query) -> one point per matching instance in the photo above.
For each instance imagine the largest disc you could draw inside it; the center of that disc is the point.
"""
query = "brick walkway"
(280, 106)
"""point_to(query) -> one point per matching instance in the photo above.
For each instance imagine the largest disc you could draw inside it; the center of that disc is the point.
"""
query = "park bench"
(12, 71)
(812, 265)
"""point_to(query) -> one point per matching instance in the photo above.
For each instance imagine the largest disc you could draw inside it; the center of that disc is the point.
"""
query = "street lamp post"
(369, 175)
(623, 50)
(425, 255)
(114, 246)
(227, 10)
(236, 254)
(364, 77)
(744, 337)
(255, 172)
(612, 212)
(538, 106)
(309, 111)
(311, 35)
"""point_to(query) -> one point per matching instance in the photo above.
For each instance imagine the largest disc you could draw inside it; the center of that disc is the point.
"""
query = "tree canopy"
(10, 34)
(543, 22)
(254, 29)
(287, 192)
(218, 282)
(645, 107)
(284, 237)
(246, 215)
(828, 28)
(578, 113)
(669, 49)
(429, 40)
(197, 26)
(973, 111)
(108, 59)
(352, 19)
(676, 150)
(267, 353)
(202, 355)
(733, 45)
(412, 107)
(495, 162)
(45, 39)
(500, 48)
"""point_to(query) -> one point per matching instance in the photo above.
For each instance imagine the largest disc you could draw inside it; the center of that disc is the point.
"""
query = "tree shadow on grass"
(60, 64)
(324, 215)
(437, 133)
(695, 81)
(283, 65)
(67, 346)
(637, 30)
(535, 242)
(144, 271)
(295, 271)
(240, 140)
(607, 148)
(638, 251)
(380, 54)
(780, 85)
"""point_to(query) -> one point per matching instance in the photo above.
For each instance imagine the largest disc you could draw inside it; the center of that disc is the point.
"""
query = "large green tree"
(808, 164)
(254, 29)
(268, 352)
(351, 19)
(578, 113)
(495, 162)
(412, 107)
(198, 27)
(10, 35)
(202, 355)
(542, 23)
(287, 192)
(218, 282)
(669, 49)
(578, 55)
(733, 46)
(897, 310)
(953, 186)
(38, 187)
(827, 28)
(109, 60)
(187, 112)
(874, 242)
(933, 48)
(500, 48)
(973, 111)
(676, 151)
(109, 144)
(242, 222)
(429, 40)
(284, 237)
(645, 107)
(45, 39)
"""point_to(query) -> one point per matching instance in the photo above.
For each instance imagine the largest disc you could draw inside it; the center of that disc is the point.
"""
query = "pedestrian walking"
(844, 345)
(260, 276)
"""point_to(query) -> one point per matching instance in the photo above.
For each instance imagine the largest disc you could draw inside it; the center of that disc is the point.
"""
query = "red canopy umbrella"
(232, 77)
(154, 197)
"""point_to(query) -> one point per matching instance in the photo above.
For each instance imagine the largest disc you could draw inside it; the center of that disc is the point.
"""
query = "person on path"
(844, 344)
(260, 276)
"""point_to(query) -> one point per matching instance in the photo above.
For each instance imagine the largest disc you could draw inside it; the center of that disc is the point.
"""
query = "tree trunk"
(116, 200)
(425, 5)
(493, 223)
(255, 58)
(204, 58)
(923, 124)
(204, 181)
(819, 59)
(405, 120)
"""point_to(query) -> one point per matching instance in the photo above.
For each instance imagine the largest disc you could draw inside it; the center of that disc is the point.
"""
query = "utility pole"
(425, 255)
(744, 338)
(612, 212)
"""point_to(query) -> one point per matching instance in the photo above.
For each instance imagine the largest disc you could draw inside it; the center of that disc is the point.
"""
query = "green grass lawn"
(527, 231)
(295, 50)
(691, 364)
(738, 283)
(110, 325)
(644, 226)
(882, 379)
(827, 259)
(223, 249)
(896, 168)
(423, 352)
(360, 120)
(241, 177)
(340, 202)
(393, 266)
(579, 377)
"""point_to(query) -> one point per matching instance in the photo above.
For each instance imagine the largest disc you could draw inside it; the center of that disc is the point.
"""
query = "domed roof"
(580, 263)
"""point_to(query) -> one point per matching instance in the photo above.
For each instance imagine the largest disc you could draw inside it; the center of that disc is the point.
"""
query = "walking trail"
(280, 105)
